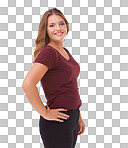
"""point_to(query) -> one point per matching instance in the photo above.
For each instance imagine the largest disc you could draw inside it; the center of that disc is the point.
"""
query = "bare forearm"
(80, 118)
(33, 97)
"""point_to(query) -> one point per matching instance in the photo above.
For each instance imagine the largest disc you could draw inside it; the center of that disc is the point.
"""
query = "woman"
(60, 120)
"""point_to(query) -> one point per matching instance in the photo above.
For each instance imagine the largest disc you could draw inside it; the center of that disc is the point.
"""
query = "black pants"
(57, 134)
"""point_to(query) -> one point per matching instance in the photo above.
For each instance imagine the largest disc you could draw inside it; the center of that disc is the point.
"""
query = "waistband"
(72, 110)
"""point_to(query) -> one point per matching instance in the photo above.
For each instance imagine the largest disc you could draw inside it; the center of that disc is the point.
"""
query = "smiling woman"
(57, 31)
(52, 23)
(60, 120)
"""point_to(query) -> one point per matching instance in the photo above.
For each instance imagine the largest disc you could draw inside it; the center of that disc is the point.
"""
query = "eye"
(53, 25)
(50, 25)
(62, 24)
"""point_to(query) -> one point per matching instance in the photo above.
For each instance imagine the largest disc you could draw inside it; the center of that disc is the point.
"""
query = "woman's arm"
(34, 99)
(81, 125)
(34, 75)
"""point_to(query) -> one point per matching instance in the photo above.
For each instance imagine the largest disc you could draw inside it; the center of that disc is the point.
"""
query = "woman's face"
(56, 28)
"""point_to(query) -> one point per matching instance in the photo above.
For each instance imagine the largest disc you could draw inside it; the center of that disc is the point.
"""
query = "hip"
(73, 118)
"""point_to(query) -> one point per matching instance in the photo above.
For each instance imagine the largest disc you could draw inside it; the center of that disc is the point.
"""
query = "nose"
(57, 27)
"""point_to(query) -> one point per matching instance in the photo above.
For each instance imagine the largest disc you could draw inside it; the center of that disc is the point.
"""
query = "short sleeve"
(48, 57)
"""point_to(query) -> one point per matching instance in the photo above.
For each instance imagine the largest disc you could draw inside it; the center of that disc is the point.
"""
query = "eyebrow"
(54, 23)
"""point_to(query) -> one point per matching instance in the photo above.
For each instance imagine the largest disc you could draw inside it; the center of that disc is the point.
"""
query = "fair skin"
(81, 125)
(37, 71)
(56, 24)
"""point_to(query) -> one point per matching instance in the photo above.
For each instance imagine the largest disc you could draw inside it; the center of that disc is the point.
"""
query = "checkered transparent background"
(98, 40)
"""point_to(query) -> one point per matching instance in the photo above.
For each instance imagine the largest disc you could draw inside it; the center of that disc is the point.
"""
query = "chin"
(59, 40)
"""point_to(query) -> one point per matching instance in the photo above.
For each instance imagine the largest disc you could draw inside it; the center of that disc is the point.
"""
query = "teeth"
(58, 33)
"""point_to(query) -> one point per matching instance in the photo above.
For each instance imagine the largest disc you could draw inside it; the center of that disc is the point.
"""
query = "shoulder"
(47, 57)
(49, 50)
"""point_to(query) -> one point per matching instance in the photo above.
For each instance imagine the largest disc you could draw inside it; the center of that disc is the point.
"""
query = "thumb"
(80, 128)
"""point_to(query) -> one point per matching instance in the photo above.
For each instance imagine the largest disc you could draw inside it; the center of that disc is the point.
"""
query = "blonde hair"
(43, 39)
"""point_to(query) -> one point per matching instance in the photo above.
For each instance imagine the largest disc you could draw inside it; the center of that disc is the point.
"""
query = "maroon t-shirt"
(60, 81)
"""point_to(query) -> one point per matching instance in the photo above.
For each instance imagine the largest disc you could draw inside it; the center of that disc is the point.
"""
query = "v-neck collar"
(61, 54)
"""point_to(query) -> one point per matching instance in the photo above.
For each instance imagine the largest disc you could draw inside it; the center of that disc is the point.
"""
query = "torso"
(60, 82)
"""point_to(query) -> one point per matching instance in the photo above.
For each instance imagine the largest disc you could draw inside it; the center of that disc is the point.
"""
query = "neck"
(57, 46)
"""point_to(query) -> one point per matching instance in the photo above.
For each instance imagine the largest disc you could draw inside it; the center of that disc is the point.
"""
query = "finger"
(60, 120)
(62, 114)
(83, 127)
(80, 126)
(63, 117)
(80, 132)
(80, 129)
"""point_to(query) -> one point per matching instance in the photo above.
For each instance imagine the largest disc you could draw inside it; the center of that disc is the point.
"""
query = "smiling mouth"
(58, 33)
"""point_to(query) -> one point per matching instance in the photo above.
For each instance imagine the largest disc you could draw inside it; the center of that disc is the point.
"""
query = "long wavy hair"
(43, 39)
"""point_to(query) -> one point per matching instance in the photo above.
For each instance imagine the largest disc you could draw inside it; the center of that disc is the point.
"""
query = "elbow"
(24, 85)
(27, 84)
